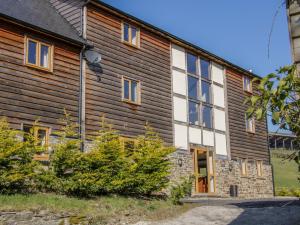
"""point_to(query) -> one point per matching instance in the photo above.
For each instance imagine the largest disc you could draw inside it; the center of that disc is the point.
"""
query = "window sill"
(31, 66)
(131, 103)
(250, 132)
(248, 92)
(131, 45)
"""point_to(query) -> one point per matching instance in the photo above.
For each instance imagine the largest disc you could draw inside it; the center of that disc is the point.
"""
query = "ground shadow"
(268, 213)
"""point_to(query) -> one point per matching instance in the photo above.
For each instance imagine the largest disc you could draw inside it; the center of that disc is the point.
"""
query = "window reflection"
(194, 113)
(205, 68)
(191, 63)
(193, 87)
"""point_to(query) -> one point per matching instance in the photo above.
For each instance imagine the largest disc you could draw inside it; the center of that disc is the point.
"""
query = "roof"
(178, 39)
(39, 14)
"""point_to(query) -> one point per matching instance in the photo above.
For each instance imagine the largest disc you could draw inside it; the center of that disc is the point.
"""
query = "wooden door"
(204, 171)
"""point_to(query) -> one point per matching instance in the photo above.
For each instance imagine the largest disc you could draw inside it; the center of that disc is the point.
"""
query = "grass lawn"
(104, 210)
(285, 173)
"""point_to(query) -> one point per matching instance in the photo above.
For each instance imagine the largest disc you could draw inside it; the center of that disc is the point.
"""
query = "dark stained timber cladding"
(28, 94)
(150, 65)
(242, 143)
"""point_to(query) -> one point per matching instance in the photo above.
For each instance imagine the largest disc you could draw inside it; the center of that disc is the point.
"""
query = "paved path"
(278, 214)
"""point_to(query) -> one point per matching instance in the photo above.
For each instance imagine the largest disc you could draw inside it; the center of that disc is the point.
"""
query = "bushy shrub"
(288, 192)
(181, 190)
(109, 166)
(18, 171)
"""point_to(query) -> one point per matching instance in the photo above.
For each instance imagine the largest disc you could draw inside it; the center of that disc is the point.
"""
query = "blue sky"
(235, 30)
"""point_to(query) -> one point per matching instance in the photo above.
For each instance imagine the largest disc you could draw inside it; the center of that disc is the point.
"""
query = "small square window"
(40, 134)
(207, 116)
(191, 63)
(38, 54)
(259, 166)
(244, 169)
(205, 69)
(250, 124)
(131, 91)
(131, 35)
(247, 84)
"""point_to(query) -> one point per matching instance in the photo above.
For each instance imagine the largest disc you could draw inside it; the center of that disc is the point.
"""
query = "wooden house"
(191, 97)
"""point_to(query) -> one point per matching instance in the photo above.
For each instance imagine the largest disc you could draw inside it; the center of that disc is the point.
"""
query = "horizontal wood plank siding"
(244, 144)
(150, 64)
(28, 94)
(71, 10)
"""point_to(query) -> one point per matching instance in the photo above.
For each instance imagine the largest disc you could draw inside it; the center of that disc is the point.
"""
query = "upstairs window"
(247, 84)
(193, 89)
(131, 91)
(38, 54)
(250, 124)
(131, 35)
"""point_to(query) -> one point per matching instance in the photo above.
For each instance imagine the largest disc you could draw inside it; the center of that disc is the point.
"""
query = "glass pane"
(206, 117)
(42, 135)
(44, 56)
(134, 36)
(205, 73)
(193, 87)
(194, 113)
(126, 89)
(191, 63)
(32, 52)
(247, 84)
(126, 32)
(205, 87)
(134, 93)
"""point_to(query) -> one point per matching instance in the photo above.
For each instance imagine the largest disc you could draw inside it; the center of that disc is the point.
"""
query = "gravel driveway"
(236, 215)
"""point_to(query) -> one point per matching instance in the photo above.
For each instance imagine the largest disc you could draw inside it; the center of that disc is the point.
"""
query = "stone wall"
(250, 186)
(182, 166)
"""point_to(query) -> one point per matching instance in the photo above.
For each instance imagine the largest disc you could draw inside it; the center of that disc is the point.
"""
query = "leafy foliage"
(110, 166)
(279, 95)
(18, 171)
(181, 190)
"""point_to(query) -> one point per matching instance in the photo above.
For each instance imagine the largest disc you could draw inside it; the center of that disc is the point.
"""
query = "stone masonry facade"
(227, 172)
(249, 186)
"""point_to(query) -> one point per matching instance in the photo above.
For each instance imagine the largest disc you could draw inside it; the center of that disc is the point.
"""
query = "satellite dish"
(92, 57)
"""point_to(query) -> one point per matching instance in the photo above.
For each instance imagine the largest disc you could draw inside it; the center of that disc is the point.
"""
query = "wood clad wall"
(70, 10)
(150, 64)
(243, 144)
(27, 94)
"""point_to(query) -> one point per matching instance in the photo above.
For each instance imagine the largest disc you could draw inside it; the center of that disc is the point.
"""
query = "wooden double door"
(204, 167)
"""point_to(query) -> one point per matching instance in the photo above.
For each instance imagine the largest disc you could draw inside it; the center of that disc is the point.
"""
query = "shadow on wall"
(268, 213)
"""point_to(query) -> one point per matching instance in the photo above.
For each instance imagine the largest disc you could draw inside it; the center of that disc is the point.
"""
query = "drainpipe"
(82, 80)
(272, 168)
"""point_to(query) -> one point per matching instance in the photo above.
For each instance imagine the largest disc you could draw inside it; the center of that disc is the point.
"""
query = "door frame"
(199, 150)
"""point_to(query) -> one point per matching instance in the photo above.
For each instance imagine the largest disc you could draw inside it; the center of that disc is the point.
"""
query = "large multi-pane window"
(199, 91)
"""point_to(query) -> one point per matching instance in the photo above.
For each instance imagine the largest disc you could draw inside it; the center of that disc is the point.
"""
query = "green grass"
(285, 172)
(104, 210)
